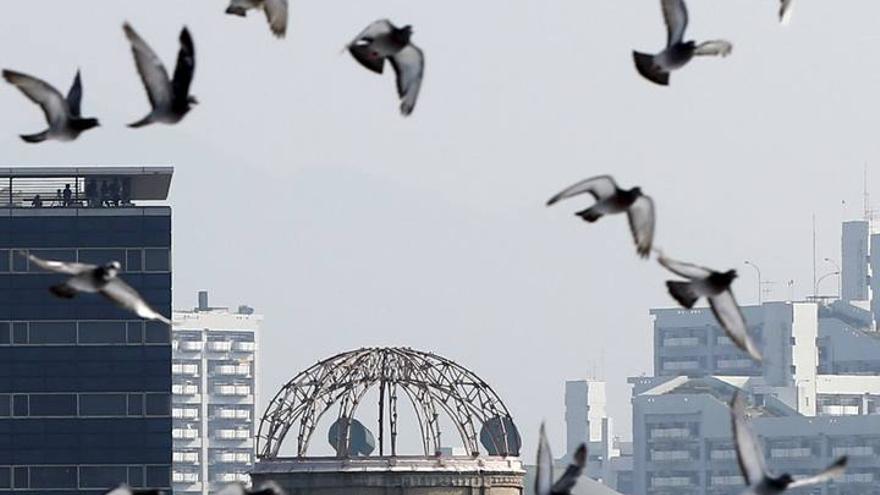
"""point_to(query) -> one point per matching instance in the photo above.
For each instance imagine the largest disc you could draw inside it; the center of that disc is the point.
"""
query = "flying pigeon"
(544, 484)
(382, 40)
(276, 12)
(169, 98)
(752, 464)
(611, 199)
(268, 488)
(101, 279)
(714, 286)
(785, 11)
(62, 114)
(124, 489)
(678, 52)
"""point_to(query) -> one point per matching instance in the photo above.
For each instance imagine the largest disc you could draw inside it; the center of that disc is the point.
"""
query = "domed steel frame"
(430, 382)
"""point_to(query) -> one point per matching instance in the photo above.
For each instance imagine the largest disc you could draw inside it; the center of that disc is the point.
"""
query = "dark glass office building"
(84, 386)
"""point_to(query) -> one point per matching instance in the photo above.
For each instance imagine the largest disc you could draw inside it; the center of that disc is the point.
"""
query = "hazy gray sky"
(299, 189)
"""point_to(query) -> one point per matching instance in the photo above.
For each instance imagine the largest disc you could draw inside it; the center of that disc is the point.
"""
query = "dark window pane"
(102, 332)
(5, 336)
(19, 262)
(136, 476)
(20, 477)
(102, 476)
(4, 260)
(5, 405)
(5, 477)
(158, 404)
(135, 404)
(158, 476)
(135, 263)
(101, 256)
(157, 260)
(20, 405)
(53, 332)
(53, 405)
(102, 405)
(135, 332)
(51, 254)
(19, 333)
(157, 333)
(53, 477)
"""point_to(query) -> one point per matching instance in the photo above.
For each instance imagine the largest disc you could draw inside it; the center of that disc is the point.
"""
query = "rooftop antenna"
(814, 253)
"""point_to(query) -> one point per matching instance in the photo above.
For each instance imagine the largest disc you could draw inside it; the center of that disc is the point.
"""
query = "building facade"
(84, 385)
(214, 396)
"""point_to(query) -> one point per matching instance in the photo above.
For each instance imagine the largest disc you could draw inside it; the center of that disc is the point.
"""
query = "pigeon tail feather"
(589, 215)
(140, 123)
(649, 70)
(63, 291)
(683, 292)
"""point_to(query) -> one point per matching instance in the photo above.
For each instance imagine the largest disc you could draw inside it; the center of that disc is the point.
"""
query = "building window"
(52, 332)
(158, 405)
(103, 405)
(53, 405)
(135, 404)
(157, 260)
(102, 477)
(134, 260)
(53, 477)
(102, 332)
(4, 261)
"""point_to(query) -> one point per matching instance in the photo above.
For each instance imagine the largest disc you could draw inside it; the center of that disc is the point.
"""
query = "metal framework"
(431, 383)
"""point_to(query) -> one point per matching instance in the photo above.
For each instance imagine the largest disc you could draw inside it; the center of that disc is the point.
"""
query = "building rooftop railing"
(82, 187)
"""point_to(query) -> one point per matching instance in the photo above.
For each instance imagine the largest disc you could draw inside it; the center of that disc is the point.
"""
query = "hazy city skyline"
(299, 190)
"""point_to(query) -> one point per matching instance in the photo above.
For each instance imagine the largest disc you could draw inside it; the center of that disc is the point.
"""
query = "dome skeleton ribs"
(430, 382)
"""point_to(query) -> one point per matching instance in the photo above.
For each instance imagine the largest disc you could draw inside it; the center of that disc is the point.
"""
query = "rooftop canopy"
(83, 187)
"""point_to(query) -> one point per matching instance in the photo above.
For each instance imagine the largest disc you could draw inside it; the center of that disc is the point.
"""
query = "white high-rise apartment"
(214, 387)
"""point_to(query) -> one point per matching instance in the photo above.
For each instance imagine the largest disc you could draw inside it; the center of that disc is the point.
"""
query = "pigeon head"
(636, 191)
(111, 270)
(403, 34)
(192, 100)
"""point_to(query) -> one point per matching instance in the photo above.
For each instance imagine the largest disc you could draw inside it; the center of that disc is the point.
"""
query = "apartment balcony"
(245, 346)
(233, 370)
(232, 434)
(184, 389)
(185, 457)
(184, 477)
(184, 433)
(185, 369)
(233, 390)
(220, 346)
(190, 346)
(233, 457)
(232, 478)
(185, 413)
(232, 414)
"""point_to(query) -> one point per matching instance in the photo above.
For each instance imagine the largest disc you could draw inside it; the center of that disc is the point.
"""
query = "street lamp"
(823, 277)
(839, 279)
(759, 279)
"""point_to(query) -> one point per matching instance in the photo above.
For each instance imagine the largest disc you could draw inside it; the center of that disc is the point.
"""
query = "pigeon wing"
(68, 268)
(714, 47)
(126, 297)
(600, 187)
(748, 450)
(367, 57)
(382, 27)
(544, 467)
(641, 224)
(676, 16)
(233, 489)
(409, 65)
(833, 471)
(42, 93)
(150, 68)
(186, 66)
(122, 489)
(276, 14)
(785, 11)
(682, 269)
(730, 318)
(566, 482)
(74, 96)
